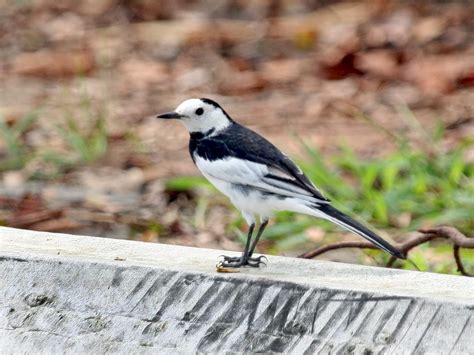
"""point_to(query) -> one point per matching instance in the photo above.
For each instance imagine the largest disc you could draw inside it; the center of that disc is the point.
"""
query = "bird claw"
(259, 258)
(238, 261)
(230, 258)
(256, 263)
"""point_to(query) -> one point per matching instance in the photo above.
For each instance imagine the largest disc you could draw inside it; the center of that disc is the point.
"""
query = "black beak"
(170, 115)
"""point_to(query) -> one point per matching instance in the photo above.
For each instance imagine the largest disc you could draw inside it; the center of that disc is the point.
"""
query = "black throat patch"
(201, 135)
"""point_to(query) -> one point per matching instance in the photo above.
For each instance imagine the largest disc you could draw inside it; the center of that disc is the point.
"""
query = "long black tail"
(334, 215)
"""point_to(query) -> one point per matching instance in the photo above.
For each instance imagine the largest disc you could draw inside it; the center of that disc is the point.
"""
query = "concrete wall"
(72, 294)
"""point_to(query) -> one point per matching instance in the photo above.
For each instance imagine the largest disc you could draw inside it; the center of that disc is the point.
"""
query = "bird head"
(200, 115)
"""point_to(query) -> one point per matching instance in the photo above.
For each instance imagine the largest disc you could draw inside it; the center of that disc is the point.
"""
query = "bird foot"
(238, 261)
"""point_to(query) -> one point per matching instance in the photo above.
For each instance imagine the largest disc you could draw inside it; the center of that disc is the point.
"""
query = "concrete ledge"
(71, 294)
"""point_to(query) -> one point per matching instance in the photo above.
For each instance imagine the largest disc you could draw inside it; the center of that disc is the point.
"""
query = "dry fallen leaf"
(226, 270)
(429, 28)
(54, 64)
(381, 63)
(282, 71)
(438, 74)
(140, 73)
(242, 83)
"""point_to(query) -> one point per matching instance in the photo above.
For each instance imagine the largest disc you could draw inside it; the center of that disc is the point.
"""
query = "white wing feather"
(243, 172)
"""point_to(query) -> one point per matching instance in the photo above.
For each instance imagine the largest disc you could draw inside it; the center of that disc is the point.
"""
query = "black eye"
(199, 111)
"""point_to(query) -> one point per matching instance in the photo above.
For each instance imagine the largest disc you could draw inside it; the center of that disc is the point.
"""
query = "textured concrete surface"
(72, 294)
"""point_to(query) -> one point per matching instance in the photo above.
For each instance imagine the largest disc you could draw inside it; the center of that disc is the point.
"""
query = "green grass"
(425, 188)
(84, 144)
(87, 146)
(431, 189)
(18, 153)
(398, 193)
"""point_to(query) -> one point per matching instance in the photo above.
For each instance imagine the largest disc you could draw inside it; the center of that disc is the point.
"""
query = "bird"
(256, 176)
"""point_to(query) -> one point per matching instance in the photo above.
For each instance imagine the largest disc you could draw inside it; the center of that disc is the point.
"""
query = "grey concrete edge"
(31, 245)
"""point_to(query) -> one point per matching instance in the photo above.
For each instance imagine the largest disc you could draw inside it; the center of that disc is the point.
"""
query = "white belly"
(249, 201)
(253, 203)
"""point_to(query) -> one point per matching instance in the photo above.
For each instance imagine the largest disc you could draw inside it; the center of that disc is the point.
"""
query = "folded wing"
(256, 175)
(239, 155)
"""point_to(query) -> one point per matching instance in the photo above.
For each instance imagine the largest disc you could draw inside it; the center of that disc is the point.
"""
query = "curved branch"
(450, 233)
(458, 239)
(321, 250)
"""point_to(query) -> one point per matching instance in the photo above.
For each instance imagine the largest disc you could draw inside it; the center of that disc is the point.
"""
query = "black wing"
(243, 143)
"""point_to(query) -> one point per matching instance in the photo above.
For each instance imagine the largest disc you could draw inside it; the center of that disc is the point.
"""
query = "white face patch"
(201, 116)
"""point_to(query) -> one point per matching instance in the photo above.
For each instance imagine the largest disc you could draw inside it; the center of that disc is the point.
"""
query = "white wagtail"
(257, 177)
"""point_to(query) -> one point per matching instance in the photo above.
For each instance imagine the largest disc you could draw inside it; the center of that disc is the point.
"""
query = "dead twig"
(458, 239)
(342, 245)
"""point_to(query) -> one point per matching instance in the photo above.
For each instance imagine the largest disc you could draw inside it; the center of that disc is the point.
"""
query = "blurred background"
(374, 99)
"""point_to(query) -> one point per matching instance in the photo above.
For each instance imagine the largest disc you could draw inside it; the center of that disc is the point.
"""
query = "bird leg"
(246, 259)
(230, 261)
(255, 241)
